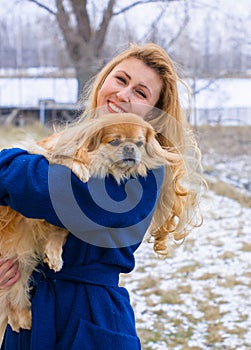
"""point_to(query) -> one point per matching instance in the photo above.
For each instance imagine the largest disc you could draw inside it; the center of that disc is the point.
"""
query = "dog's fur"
(123, 145)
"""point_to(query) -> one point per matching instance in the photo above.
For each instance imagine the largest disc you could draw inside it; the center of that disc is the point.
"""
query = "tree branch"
(43, 6)
(72, 39)
(83, 22)
(196, 90)
(101, 32)
(62, 16)
(153, 25)
(140, 2)
(182, 27)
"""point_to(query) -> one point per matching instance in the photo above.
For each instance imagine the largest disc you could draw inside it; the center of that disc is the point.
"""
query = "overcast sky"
(203, 13)
(231, 21)
(233, 7)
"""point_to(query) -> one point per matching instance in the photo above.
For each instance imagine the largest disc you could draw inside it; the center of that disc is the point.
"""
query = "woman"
(86, 309)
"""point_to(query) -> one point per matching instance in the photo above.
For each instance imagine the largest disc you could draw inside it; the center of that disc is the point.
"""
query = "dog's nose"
(129, 149)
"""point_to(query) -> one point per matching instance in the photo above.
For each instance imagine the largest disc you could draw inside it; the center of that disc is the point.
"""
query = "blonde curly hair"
(174, 215)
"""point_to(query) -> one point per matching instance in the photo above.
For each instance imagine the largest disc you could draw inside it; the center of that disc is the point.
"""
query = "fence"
(47, 112)
(221, 116)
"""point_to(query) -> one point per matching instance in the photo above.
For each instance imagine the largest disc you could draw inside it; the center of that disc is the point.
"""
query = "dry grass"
(224, 140)
(11, 135)
(223, 144)
(224, 189)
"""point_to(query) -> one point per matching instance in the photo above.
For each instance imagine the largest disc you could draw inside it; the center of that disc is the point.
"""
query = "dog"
(122, 144)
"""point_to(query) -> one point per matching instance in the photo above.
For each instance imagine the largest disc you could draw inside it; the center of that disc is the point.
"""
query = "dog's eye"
(115, 142)
(139, 143)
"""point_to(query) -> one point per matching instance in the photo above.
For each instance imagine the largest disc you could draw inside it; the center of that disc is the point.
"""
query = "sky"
(231, 7)
(224, 16)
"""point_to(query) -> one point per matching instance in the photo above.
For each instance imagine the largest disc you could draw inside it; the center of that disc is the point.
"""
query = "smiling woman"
(143, 80)
(82, 306)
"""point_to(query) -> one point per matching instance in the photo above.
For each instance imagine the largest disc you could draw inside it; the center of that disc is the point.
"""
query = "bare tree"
(83, 42)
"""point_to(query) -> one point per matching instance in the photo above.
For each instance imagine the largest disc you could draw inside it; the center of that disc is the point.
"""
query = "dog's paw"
(53, 249)
(54, 261)
(81, 171)
(20, 318)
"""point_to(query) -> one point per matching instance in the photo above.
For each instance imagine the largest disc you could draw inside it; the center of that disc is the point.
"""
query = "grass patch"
(185, 289)
(10, 134)
(211, 312)
(224, 189)
(213, 333)
(169, 297)
(246, 247)
(207, 276)
(240, 331)
(229, 282)
(180, 337)
(227, 255)
(148, 282)
(188, 268)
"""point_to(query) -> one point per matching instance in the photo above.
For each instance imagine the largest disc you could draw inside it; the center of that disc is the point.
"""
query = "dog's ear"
(94, 140)
(149, 135)
(81, 155)
(153, 148)
(50, 142)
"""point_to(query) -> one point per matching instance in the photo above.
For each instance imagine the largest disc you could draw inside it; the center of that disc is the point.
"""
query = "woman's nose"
(124, 95)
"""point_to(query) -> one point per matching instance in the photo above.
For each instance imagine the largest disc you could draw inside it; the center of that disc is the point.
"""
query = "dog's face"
(124, 144)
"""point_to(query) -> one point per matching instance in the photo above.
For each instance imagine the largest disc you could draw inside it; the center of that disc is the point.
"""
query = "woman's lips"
(114, 108)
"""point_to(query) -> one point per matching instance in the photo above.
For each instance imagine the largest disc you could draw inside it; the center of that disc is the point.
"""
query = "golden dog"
(123, 145)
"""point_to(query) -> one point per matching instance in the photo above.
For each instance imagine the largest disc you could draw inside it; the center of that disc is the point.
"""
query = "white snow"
(219, 234)
(211, 274)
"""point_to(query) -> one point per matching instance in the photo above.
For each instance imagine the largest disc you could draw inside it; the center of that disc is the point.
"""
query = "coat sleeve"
(36, 189)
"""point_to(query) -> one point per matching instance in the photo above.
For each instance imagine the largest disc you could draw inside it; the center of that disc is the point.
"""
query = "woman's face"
(131, 87)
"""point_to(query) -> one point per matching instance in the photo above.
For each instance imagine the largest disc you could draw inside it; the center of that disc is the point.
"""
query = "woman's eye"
(139, 143)
(122, 79)
(141, 93)
(115, 142)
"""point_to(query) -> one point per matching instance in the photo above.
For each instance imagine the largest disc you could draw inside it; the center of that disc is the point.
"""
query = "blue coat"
(82, 306)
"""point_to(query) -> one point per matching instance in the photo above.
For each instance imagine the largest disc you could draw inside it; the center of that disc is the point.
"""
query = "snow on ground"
(200, 297)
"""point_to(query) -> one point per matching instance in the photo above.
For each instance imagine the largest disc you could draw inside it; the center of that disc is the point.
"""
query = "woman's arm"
(31, 186)
(24, 184)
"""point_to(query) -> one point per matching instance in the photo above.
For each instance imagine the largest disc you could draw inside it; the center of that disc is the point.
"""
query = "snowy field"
(199, 298)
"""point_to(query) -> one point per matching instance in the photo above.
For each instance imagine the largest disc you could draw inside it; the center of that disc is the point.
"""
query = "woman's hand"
(9, 273)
